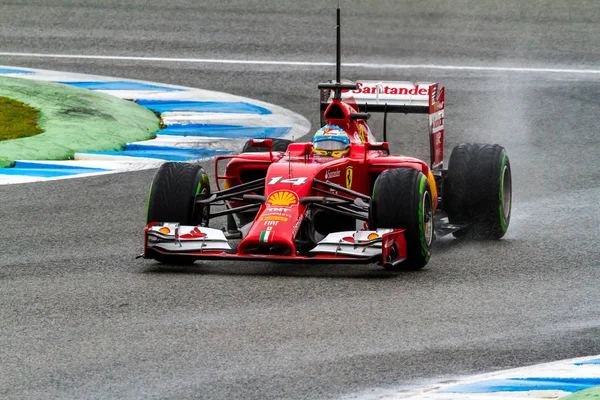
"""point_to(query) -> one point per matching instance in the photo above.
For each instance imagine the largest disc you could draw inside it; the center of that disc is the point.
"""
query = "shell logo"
(283, 198)
(373, 236)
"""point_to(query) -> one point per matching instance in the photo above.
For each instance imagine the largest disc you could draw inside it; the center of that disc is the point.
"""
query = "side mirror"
(308, 148)
(262, 143)
(384, 146)
(268, 143)
(378, 146)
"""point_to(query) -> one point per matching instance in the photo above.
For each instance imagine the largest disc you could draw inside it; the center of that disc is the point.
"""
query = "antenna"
(338, 86)
(338, 49)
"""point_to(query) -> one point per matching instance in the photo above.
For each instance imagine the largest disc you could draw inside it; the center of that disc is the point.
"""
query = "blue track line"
(163, 152)
(229, 107)
(589, 362)
(524, 384)
(224, 131)
(47, 170)
(121, 85)
(10, 71)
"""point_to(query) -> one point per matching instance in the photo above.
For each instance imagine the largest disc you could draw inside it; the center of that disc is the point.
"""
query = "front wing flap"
(383, 246)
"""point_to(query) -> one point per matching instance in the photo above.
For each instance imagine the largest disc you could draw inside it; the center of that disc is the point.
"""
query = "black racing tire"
(478, 190)
(402, 200)
(278, 145)
(171, 199)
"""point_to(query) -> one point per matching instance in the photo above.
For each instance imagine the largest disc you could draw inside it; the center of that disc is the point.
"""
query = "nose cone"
(275, 226)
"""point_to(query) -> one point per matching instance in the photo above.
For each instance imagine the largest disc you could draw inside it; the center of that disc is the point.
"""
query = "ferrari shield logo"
(349, 177)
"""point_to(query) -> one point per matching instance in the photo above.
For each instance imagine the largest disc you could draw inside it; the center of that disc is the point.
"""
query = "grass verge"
(17, 119)
(73, 120)
(588, 394)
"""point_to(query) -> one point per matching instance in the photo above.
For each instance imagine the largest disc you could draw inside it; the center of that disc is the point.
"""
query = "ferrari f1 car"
(303, 203)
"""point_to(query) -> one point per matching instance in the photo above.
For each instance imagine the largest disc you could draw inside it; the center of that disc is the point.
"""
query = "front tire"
(402, 200)
(478, 190)
(172, 197)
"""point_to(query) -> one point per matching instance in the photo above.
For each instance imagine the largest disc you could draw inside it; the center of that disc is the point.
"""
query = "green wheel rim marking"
(148, 204)
(203, 179)
(424, 248)
(500, 196)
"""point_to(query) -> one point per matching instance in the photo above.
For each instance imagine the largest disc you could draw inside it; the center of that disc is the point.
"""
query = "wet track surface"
(82, 319)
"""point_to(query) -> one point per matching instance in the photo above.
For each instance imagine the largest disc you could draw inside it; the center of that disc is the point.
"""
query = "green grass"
(17, 120)
(588, 394)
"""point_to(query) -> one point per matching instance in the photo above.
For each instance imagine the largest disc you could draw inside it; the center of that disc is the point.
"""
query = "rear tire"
(172, 197)
(278, 145)
(402, 200)
(478, 190)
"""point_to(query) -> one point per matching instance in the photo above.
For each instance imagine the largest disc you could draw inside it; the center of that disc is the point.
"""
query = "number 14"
(293, 181)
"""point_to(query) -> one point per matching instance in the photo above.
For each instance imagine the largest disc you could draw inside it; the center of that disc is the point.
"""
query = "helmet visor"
(330, 145)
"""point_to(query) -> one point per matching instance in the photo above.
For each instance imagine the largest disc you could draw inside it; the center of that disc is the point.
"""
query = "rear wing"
(399, 97)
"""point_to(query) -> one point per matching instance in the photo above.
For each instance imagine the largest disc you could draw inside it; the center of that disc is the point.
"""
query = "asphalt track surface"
(80, 318)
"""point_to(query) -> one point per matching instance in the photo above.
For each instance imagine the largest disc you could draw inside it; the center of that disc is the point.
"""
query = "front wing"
(382, 246)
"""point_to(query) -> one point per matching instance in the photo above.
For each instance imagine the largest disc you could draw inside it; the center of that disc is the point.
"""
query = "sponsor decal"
(391, 90)
(332, 173)
(276, 213)
(349, 174)
(194, 234)
(274, 218)
(283, 198)
(436, 99)
(164, 230)
(352, 239)
(283, 211)
(437, 121)
(270, 223)
(332, 130)
(297, 225)
(437, 136)
(432, 96)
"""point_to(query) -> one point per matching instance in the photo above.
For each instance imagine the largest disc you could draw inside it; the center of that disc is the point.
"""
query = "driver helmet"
(331, 141)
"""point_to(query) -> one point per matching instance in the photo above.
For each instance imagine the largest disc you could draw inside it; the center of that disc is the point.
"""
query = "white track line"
(309, 63)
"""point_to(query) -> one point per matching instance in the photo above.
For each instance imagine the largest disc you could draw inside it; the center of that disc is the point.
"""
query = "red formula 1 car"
(341, 198)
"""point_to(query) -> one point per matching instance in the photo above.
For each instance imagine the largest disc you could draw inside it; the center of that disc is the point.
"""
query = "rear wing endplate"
(399, 97)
